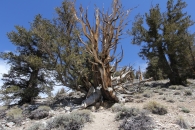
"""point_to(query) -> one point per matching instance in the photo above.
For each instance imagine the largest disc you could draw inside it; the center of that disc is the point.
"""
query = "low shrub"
(14, 115)
(170, 100)
(172, 87)
(3, 111)
(126, 113)
(137, 96)
(117, 107)
(38, 114)
(176, 87)
(182, 123)
(36, 126)
(180, 87)
(164, 98)
(163, 89)
(139, 122)
(187, 92)
(185, 110)
(44, 108)
(155, 108)
(61, 93)
(155, 91)
(72, 121)
(132, 118)
(3, 108)
(177, 93)
(28, 110)
(160, 93)
(147, 94)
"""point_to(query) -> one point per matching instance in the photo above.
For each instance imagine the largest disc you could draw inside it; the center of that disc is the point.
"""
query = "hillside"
(177, 101)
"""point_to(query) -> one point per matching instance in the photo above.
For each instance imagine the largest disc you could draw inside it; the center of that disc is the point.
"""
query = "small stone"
(10, 124)
(97, 105)
(67, 108)
(61, 109)
(93, 108)
(101, 108)
(3, 122)
(105, 104)
(51, 113)
(27, 119)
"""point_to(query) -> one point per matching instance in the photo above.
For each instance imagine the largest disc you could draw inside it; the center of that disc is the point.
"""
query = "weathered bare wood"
(93, 97)
(103, 39)
(91, 91)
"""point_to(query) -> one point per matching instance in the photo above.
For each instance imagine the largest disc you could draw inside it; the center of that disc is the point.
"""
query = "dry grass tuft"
(155, 108)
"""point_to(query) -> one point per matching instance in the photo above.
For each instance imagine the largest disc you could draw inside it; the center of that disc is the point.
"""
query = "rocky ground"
(179, 102)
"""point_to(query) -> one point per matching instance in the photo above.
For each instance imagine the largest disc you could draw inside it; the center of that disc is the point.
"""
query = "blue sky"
(22, 12)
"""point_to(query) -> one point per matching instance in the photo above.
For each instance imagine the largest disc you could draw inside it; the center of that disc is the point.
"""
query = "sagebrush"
(155, 108)
(72, 121)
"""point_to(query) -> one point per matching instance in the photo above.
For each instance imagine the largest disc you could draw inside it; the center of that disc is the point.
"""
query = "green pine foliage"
(49, 52)
(166, 38)
(27, 76)
(63, 46)
(153, 70)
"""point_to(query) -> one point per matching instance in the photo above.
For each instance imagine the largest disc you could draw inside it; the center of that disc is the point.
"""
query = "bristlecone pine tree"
(103, 38)
(28, 75)
(153, 70)
(57, 46)
(65, 51)
(167, 37)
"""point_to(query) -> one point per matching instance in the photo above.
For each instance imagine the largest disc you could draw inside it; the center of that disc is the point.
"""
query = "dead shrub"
(155, 108)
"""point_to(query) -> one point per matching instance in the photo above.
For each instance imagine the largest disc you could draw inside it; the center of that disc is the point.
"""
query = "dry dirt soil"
(176, 101)
(179, 101)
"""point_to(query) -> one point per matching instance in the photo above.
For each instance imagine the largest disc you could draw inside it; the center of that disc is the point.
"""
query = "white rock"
(3, 122)
(101, 108)
(67, 108)
(93, 108)
(51, 113)
(10, 124)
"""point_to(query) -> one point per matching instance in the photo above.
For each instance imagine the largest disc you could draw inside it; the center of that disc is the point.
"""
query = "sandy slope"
(103, 120)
